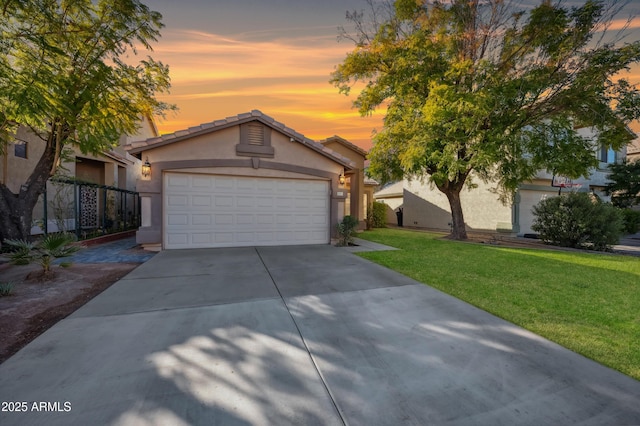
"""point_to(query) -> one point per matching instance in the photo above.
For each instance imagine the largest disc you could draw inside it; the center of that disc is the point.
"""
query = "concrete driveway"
(302, 336)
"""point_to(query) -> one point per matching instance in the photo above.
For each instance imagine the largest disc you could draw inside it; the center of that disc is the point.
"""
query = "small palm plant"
(346, 230)
(44, 251)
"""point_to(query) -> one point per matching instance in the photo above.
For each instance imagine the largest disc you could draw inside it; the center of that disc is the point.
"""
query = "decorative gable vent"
(255, 140)
(255, 134)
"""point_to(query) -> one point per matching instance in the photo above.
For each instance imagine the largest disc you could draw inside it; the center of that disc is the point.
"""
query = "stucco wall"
(426, 207)
(357, 203)
(215, 153)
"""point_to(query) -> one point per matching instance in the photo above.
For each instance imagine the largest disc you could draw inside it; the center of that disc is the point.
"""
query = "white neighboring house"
(424, 206)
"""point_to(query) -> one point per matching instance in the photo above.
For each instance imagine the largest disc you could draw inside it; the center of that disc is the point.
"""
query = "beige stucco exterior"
(392, 196)
(115, 167)
(360, 192)
(217, 149)
(426, 207)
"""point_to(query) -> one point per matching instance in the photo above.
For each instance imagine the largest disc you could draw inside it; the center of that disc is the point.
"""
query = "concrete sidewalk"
(299, 335)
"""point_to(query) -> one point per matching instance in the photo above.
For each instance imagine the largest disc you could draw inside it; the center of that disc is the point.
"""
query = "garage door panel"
(244, 201)
(245, 237)
(223, 237)
(178, 238)
(178, 219)
(201, 200)
(201, 219)
(284, 219)
(202, 238)
(178, 181)
(265, 237)
(201, 183)
(226, 211)
(320, 220)
(224, 219)
(264, 202)
(178, 200)
(265, 219)
(224, 201)
(284, 202)
(245, 219)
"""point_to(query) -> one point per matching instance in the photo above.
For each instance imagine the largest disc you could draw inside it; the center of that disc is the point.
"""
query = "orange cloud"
(214, 77)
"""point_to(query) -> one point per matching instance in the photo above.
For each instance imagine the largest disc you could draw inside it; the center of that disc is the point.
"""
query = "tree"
(625, 184)
(483, 90)
(65, 74)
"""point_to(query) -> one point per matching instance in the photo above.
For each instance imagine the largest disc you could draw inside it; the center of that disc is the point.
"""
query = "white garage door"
(230, 211)
(528, 199)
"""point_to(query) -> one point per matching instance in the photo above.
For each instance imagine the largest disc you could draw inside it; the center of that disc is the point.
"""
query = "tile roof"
(151, 143)
(342, 141)
(393, 189)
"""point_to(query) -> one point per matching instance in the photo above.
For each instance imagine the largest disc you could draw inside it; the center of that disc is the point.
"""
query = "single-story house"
(246, 180)
(424, 206)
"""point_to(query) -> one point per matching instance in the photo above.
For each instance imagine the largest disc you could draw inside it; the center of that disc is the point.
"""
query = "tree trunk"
(452, 191)
(16, 210)
(458, 230)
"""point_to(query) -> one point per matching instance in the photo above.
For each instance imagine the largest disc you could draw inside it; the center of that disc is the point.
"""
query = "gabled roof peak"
(344, 142)
(254, 115)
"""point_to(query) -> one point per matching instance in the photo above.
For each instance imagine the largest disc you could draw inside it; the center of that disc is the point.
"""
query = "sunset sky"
(232, 56)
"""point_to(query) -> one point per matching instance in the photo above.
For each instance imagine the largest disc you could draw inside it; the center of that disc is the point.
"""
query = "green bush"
(578, 220)
(379, 215)
(44, 251)
(346, 230)
(631, 220)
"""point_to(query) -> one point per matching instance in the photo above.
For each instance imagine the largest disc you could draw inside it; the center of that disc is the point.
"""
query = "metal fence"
(87, 209)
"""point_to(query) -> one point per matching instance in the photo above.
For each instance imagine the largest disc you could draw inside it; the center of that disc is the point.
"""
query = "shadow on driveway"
(300, 335)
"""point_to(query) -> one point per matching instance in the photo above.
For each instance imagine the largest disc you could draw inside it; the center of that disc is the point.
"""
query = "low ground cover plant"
(6, 289)
(43, 251)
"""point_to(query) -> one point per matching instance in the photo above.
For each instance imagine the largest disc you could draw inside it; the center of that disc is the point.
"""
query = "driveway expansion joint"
(332, 397)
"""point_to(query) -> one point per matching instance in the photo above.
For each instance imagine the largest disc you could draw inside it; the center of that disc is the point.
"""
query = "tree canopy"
(624, 187)
(491, 90)
(70, 73)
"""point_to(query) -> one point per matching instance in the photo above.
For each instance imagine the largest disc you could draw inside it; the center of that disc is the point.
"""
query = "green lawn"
(587, 302)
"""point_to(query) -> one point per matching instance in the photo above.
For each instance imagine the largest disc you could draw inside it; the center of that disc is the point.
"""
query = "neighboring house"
(424, 206)
(392, 196)
(246, 180)
(115, 168)
(360, 188)
(633, 150)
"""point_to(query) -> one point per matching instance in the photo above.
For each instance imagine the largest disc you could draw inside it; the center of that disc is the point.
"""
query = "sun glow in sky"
(228, 57)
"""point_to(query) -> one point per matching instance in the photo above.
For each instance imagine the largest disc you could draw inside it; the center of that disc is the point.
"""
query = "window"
(607, 155)
(20, 149)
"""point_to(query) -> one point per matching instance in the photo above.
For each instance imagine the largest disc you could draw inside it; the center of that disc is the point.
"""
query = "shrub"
(631, 220)
(376, 215)
(346, 230)
(578, 220)
(379, 215)
(6, 289)
(43, 252)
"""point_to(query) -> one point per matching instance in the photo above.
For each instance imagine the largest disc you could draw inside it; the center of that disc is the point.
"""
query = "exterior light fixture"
(341, 178)
(146, 168)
